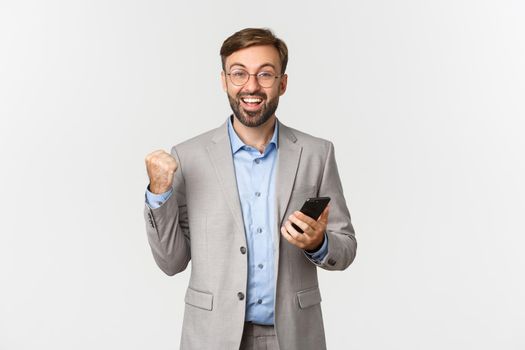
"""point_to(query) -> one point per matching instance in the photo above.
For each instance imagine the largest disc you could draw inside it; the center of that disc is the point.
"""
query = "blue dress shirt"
(255, 175)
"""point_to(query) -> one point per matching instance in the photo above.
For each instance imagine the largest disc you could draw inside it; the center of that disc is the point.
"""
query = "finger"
(291, 230)
(153, 154)
(324, 216)
(298, 237)
(303, 217)
(159, 151)
(289, 237)
(286, 235)
(302, 225)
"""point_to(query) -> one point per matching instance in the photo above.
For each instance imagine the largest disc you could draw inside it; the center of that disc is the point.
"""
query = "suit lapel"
(287, 164)
(220, 153)
(289, 154)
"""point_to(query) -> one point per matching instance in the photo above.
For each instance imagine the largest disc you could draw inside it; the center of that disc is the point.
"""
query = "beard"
(253, 119)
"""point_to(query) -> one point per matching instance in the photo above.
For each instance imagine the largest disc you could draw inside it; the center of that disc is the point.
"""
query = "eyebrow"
(261, 66)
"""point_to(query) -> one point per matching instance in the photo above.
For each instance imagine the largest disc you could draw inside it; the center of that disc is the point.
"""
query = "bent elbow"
(173, 268)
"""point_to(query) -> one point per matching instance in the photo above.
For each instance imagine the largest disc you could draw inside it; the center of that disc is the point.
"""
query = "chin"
(253, 121)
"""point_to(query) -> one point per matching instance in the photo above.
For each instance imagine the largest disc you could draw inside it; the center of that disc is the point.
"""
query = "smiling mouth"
(252, 101)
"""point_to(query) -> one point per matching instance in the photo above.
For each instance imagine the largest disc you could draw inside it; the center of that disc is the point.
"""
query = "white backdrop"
(422, 99)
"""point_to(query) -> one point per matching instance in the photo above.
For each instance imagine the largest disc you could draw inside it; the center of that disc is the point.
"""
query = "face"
(251, 103)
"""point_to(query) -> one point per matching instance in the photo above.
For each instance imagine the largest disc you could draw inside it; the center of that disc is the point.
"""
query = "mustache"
(257, 94)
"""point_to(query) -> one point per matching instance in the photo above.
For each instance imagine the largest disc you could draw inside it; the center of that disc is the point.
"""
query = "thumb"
(324, 214)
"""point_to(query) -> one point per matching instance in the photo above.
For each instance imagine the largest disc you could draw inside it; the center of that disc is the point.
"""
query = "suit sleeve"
(342, 244)
(167, 227)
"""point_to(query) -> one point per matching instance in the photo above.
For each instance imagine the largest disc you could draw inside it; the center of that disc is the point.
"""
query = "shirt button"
(259, 230)
(257, 161)
(260, 266)
(259, 301)
(243, 250)
(240, 295)
(257, 194)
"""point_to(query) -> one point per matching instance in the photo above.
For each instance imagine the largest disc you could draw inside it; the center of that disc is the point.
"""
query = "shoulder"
(199, 142)
(307, 141)
(196, 141)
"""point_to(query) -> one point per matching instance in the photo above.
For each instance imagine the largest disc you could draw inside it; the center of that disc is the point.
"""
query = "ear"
(223, 82)
(282, 84)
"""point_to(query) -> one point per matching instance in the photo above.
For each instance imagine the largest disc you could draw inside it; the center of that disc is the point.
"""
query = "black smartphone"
(313, 207)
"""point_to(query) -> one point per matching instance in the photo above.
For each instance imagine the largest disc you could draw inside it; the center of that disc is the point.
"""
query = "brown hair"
(251, 37)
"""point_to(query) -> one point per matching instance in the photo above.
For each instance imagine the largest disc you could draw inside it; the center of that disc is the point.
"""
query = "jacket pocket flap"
(309, 297)
(198, 299)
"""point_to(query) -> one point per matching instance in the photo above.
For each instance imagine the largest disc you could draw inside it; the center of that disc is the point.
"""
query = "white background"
(422, 99)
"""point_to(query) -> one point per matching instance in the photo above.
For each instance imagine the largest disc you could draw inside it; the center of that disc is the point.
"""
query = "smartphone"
(313, 207)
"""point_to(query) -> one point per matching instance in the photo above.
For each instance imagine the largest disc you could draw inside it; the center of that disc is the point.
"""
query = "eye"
(238, 73)
(266, 75)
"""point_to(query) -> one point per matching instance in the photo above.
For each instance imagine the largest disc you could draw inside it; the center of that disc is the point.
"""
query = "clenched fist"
(160, 166)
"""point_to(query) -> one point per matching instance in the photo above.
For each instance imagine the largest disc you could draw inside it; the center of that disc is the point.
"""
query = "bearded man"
(227, 199)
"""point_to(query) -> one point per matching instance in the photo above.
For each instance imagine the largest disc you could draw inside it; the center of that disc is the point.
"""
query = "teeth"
(252, 100)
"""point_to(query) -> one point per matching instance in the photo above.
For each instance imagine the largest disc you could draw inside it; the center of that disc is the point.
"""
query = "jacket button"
(240, 295)
(243, 250)
(331, 262)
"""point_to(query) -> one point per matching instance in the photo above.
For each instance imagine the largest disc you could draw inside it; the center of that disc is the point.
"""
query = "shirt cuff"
(154, 201)
(321, 252)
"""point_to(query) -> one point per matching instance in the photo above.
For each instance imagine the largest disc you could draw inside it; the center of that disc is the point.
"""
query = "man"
(227, 199)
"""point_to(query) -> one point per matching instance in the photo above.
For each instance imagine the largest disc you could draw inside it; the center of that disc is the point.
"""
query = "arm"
(328, 242)
(318, 255)
(167, 226)
(342, 244)
(156, 200)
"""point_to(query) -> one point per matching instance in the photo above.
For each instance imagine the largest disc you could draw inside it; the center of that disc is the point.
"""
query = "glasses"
(239, 77)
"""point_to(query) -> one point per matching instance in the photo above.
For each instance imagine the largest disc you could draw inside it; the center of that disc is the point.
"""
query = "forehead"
(254, 57)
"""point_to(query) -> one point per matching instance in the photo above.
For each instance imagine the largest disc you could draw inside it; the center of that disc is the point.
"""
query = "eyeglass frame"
(256, 75)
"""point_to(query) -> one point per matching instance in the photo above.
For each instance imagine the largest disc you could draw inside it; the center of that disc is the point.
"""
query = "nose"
(252, 84)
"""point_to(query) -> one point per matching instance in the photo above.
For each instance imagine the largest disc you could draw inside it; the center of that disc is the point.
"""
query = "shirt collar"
(236, 143)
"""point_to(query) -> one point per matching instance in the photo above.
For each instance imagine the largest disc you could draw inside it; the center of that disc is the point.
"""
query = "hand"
(313, 235)
(161, 167)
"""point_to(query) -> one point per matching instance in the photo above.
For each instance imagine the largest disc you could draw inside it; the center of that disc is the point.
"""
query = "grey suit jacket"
(202, 221)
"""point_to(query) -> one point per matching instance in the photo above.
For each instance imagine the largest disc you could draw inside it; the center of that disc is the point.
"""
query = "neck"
(257, 137)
